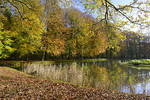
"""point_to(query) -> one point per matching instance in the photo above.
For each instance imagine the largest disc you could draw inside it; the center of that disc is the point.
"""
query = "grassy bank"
(142, 63)
(79, 60)
(17, 85)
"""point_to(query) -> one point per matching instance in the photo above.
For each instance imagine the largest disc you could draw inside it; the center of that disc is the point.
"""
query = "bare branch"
(126, 6)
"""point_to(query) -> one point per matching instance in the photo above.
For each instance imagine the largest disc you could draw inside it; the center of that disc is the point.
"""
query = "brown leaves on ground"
(15, 85)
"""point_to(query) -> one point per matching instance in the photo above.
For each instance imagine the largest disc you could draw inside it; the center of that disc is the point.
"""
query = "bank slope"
(17, 85)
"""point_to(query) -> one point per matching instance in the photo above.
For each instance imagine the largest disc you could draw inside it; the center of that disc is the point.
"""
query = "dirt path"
(18, 86)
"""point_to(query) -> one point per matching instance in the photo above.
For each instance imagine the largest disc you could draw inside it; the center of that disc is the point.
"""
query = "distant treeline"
(135, 46)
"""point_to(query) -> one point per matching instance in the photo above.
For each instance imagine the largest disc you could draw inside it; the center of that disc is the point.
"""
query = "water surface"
(109, 75)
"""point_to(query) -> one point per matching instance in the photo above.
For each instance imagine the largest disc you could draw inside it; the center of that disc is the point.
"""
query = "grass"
(92, 60)
(13, 64)
(82, 60)
(139, 64)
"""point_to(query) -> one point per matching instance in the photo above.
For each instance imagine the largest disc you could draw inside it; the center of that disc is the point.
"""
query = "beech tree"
(86, 35)
(53, 39)
(22, 18)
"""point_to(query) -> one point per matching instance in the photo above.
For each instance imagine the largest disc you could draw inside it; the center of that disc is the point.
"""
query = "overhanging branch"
(118, 10)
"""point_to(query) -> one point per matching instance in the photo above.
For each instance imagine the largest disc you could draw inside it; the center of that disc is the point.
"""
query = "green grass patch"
(81, 60)
(94, 60)
(138, 64)
(13, 64)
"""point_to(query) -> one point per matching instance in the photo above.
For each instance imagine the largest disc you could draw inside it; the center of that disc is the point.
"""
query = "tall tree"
(86, 36)
(54, 37)
(23, 19)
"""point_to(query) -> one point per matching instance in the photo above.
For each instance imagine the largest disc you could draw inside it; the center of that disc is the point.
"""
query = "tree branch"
(118, 10)
(19, 11)
(24, 4)
(106, 12)
(126, 6)
(19, 14)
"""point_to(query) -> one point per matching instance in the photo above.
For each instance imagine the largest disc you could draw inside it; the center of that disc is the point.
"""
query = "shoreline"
(17, 85)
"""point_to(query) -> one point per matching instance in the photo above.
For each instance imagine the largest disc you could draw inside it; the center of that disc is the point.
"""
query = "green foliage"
(54, 37)
(5, 42)
(86, 37)
(21, 29)
(30, 29)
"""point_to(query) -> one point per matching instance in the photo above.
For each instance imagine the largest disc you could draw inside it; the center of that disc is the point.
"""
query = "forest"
(60, 29)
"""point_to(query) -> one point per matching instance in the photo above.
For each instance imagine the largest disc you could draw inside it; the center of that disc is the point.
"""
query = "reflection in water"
(139, 88)
(100, 75)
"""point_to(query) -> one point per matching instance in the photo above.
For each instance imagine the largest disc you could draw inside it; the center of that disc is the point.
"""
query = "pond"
(105, 74)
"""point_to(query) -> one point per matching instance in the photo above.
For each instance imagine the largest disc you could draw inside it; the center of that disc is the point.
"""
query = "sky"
(121, 2)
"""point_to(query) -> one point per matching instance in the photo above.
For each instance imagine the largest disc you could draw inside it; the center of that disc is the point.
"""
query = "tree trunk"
(43, 58)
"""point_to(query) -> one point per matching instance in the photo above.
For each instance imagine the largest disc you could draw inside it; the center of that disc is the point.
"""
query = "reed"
(72, 74)
(96, 77)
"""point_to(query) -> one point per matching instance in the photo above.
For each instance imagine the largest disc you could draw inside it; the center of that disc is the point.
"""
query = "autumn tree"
(22, 19)
(6, 42)
(53, 39)
(118, 17)
(86, 35)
